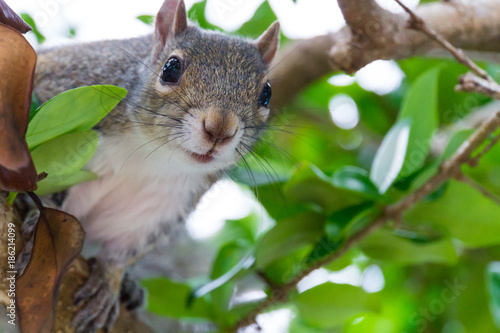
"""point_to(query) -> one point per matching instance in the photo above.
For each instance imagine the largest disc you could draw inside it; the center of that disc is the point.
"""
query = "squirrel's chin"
(192, 162)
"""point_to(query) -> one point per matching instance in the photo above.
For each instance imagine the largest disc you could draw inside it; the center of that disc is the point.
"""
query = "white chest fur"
(136, 193)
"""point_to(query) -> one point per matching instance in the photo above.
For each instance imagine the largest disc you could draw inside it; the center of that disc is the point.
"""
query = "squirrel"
(197, 101)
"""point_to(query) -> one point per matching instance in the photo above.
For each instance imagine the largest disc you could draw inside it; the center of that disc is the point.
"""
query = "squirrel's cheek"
(164, 88)
(263, 114)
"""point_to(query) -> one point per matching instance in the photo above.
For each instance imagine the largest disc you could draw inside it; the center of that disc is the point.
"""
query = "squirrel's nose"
(220, 128)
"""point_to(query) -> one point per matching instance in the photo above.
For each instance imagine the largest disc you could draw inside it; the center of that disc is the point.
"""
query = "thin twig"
(472, 83)
(417, 23)
(474, 161)
(485, 192)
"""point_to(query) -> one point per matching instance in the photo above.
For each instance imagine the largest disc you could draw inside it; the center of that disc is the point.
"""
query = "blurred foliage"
(320, 184)
(40, 38)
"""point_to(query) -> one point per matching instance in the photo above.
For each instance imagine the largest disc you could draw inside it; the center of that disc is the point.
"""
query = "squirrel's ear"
(268, 42)
(170, 22)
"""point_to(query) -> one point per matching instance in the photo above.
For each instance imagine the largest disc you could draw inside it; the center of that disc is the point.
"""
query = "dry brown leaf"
(10, 18)
(58, 241)
(17, 66)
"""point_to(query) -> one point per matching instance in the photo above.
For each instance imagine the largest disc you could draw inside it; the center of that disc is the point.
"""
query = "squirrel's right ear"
(171, 21)
(268, 42)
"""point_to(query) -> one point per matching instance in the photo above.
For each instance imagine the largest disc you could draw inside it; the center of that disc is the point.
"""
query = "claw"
(100, 295)
(131, 294)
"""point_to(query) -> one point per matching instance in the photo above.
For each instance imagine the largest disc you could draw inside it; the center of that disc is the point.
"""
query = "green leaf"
(197, 14)
(65, 154)
(147, 19)
(421, 236)
(420, 106)
(168, 298)
(225, 269)
(455, 142)
(54, 184)
(406, 146)
(35, 104)
(487, 173)
(309, 185)
(330, 305)
(339, 220)
(288, 236)
(493, 283)
(40, 38)
(453, 145)
(282, 270)
(355, 179)
(298, 325)
(324, 247)
(231, 262)
(463, 213)
(344, 260)
(255, 177)
(264, 16)
(384, 245)
(275, 202)
(390, 157)
(244, 231)
(75, 110)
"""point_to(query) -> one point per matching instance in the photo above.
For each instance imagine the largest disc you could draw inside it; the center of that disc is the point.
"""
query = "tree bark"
(373, 33)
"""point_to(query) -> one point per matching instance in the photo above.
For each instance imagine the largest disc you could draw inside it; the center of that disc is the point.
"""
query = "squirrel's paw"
(131, 293)
(100, 295)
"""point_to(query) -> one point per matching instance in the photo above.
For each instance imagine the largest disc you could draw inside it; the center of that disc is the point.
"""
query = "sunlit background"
(97, 19)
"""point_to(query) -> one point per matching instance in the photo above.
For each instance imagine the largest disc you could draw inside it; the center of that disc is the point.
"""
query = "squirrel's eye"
(265, 96)
(171, 71)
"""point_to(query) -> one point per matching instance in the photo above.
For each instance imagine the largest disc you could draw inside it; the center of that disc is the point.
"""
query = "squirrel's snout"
(220, 128)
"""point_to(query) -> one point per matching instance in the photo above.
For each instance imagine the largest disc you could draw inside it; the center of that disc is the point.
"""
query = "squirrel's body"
(134, 184)
(196, 102)
(137, 198)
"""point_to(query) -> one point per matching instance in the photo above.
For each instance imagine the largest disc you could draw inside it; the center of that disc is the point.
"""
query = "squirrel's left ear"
(171, 21)
(268, 42)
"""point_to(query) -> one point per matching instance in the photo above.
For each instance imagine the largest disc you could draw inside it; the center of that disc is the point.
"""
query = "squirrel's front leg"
(99, 296)
(108, 285)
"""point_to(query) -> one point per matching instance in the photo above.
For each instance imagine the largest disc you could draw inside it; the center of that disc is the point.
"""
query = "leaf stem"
(10, 199)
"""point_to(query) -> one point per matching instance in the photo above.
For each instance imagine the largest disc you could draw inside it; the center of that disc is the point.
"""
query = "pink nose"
(219, 129)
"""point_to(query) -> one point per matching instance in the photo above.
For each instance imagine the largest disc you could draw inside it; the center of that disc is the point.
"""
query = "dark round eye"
(265, 96)
(171, 71)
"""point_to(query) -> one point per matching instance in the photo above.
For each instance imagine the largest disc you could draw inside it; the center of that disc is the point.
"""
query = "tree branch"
(472, 25)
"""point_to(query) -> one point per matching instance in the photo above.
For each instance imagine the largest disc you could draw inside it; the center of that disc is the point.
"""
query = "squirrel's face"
(209, 92)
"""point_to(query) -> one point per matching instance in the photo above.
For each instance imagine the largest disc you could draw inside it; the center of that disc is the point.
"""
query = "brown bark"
(375, 33)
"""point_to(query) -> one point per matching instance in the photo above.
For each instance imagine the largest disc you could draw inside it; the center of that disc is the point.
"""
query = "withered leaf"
(17, 66)
(10, 18)
(58, 241)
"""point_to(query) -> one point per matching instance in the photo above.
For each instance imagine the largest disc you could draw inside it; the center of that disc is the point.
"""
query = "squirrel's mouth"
(206, 158)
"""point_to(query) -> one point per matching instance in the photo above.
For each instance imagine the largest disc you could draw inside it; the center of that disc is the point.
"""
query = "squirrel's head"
(208, 92)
